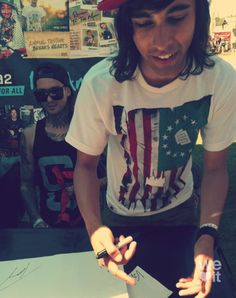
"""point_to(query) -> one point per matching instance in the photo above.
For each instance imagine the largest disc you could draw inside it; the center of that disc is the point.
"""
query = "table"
(61, 274)
(27, 243)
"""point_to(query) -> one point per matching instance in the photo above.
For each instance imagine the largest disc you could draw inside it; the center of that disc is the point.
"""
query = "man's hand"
(12, 133)
(103, 238)
(201, 282)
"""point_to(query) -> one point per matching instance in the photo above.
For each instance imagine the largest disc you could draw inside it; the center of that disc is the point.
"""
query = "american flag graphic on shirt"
(157, 145)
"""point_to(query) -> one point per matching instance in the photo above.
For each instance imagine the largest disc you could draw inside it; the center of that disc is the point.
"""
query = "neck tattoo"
(57, 137)
(57, 125)
(60, 120)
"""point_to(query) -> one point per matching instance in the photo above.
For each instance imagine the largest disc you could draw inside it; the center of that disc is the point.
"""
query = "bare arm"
(213, 195)
(86, 186)
(214, 186)
(23, 23)
(28, 189)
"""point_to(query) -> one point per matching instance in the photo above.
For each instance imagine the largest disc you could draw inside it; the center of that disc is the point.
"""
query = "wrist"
(92, 228)
(208, 233)
(209, 224)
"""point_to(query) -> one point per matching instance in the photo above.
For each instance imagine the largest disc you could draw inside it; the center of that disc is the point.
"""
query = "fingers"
(208, 275)
(127, 251)
(116, 256)
(114, 269)
(101, 263)
(102, 239)
(194, 286)
(114, 252)
(121, 255)
(130, 251)
(189, 286)
(201, 281)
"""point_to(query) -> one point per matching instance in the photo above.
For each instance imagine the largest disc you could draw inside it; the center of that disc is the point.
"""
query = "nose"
(162, 38)
(49, 98)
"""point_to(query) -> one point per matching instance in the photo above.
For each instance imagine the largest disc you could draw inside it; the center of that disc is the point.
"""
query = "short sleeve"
(220, 132)
(42, 12)
(24, 12)
(87, 131)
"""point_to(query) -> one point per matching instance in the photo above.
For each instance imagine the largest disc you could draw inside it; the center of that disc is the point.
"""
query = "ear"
(68, 91)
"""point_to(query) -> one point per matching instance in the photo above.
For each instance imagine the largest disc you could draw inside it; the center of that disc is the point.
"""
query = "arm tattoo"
(26, 162)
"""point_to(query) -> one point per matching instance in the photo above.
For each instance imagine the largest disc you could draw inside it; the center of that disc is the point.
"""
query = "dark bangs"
(198, 54)
(125, 62)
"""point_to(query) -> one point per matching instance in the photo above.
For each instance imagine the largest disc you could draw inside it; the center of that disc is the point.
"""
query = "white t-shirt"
(151, 132)
(34, 17)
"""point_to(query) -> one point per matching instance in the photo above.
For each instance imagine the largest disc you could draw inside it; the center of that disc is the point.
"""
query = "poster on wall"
(46, 45)
(91, 34)
(11, 32)
(45, 15)
(49, 28)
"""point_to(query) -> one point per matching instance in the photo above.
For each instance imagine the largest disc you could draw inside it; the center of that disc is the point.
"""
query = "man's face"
(34, 2)
(163, 39)
(6, 10)
(50, 105)
(13, 114)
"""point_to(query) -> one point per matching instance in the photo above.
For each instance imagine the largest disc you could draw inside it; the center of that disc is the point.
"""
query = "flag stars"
(165, 137)
(174, 155)
(177, 121)
(182, 154)
(193, 122)
(165, 146)
(185, 117)
(168, 153)
(169, 128)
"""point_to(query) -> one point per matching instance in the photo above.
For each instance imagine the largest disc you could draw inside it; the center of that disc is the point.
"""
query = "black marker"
(103, 253)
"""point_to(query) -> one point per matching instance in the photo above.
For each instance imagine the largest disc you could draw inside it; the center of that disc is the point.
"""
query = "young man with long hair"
(149, 102)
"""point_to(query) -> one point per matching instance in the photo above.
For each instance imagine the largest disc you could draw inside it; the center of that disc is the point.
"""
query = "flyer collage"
(55, 29)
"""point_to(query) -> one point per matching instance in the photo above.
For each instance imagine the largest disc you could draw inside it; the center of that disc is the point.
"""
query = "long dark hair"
(126, 61)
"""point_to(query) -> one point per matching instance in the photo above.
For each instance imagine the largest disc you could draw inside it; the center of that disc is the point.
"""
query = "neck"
(159, 78)
(158, 83)
(60, 120)
(155, 79)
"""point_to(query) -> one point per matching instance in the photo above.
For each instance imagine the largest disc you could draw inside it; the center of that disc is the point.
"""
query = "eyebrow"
(176, 8)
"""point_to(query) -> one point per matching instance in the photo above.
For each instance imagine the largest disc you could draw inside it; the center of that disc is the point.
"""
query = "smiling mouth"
(165, 57)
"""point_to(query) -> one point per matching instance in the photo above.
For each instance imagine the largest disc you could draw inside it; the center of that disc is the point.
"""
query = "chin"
(52, 112)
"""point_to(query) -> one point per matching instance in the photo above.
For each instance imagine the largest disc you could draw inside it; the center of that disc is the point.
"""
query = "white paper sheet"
(146, 286)
(74, 275)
